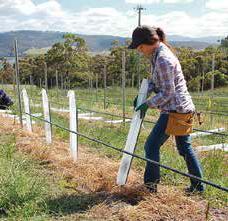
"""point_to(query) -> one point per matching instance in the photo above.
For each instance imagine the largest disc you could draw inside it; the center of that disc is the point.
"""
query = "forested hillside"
(71, 60)
(96, 43)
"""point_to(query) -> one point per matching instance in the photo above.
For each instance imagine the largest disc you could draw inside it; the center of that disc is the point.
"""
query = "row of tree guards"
(47, 117)
(62, 83)
(73, 118)
(128, 151)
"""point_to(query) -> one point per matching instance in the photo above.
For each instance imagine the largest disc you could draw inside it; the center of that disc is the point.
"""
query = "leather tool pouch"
(179, 124)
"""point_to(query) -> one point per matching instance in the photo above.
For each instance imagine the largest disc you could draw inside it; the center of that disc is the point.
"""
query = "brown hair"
(161, 36)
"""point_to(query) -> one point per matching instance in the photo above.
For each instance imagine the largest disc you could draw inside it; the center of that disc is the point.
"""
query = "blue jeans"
(152, 151)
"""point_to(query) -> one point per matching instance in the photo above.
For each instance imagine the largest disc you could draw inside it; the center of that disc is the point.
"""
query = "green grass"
(214, 163)
(31, 191)
(22, 189)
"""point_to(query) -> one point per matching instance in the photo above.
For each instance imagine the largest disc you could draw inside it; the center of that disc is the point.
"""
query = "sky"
(193, 18)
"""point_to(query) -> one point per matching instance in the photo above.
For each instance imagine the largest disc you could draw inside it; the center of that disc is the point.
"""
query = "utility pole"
(139, 9)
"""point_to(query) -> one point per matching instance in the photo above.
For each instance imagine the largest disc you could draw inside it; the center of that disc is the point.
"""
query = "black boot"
(151, 187)
(194, 190)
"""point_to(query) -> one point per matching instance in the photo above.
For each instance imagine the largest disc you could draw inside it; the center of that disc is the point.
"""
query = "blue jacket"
(5, 100)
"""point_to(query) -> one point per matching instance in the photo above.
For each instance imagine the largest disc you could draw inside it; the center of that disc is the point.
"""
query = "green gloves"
(135, 102)
(143, 108)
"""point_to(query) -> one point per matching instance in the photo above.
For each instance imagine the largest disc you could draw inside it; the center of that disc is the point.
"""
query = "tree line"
(72, 65)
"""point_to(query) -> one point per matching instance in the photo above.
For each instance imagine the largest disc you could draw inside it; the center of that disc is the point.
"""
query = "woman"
(174, 102)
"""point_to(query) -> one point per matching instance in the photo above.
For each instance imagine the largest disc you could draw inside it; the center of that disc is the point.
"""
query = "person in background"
(174, 102)
(5, 101)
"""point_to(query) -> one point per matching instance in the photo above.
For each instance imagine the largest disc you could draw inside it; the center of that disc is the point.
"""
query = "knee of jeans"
(181, 152)
(185, 150)
(182, 149)
(151, 151)
(147, 148)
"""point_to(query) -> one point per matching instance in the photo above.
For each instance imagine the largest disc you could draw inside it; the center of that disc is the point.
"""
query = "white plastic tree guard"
(73, 125)
(132, 137)
(28, 119)
(223, 147)
(200, 134)
(47, 117)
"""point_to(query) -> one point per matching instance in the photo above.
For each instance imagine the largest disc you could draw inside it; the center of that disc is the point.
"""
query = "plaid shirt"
(168, 79)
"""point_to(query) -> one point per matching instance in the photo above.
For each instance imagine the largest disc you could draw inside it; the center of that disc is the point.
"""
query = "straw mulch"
(94, 174)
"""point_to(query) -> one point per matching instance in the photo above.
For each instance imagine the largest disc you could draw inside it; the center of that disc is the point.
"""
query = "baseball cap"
(143, 35)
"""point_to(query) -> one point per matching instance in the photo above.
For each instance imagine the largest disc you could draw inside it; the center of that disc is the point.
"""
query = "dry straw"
(95, 174)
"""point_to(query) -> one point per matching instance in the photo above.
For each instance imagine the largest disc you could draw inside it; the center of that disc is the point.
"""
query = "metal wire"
(134, 155)
(222, 113)
(219, 113)
(130, 118)
(147, 121)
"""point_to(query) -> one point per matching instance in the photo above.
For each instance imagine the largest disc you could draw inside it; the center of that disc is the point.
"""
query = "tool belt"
(179, 124)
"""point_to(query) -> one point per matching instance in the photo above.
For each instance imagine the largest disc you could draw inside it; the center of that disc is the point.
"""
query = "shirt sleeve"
(165, 70)
(150, 87)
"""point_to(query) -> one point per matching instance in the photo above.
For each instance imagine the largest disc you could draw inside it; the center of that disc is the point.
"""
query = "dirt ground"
(93, 176)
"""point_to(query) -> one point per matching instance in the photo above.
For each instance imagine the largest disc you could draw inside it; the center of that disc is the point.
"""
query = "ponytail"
(162, 37)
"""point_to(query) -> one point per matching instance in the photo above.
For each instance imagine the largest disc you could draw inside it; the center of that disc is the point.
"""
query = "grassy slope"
(63, 190)
(32, 187)
(214, 163)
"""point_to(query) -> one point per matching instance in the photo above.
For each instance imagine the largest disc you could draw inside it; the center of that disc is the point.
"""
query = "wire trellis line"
(134, 155)
(126, 117)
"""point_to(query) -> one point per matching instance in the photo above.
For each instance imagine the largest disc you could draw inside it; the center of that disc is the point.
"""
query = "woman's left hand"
(143, 108)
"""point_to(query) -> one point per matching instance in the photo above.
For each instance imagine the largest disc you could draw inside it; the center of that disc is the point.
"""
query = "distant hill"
(199, 45)
(30, 40)
(27, 40)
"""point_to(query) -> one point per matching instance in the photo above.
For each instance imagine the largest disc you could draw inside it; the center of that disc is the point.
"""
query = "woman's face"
(147, 50)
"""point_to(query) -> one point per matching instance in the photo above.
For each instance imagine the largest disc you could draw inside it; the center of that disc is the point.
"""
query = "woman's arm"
(165, 69)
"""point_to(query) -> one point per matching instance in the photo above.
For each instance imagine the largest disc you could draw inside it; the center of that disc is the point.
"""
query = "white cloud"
(158, 1)
(27, 8)
(24, 14)
(24, 7)
(142, 1)
(180, 23)
(221, 5)
(177, 1)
